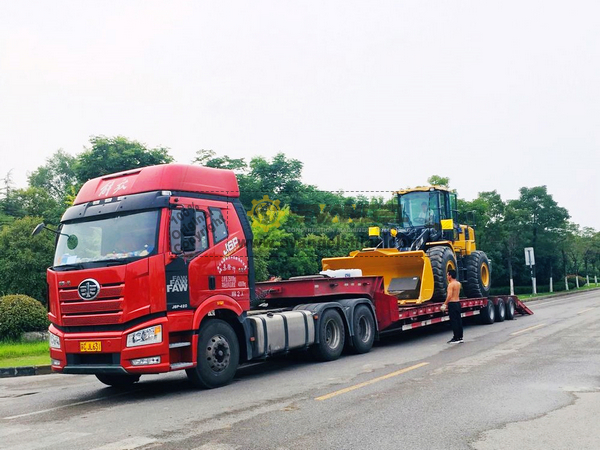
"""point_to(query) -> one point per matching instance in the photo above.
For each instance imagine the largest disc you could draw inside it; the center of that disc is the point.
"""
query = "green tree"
(436, 180)
(24, 259)
(541, 221)
(209, 158)
(35, 201)
(116, 154)
(57, 176)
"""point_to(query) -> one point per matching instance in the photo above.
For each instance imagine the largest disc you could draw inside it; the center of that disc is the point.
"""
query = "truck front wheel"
(117, 380)
(331, 336)
(218, 355)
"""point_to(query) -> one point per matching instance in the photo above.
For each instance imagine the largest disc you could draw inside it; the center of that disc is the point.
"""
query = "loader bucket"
(406, 275)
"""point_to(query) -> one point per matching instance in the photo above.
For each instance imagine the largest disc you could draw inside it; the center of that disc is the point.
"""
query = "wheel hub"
(218, 353)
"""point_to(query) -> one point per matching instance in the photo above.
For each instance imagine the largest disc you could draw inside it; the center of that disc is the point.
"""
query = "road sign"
(529, 256)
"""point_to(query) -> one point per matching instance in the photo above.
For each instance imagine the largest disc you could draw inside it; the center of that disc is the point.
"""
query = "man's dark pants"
(455, 319)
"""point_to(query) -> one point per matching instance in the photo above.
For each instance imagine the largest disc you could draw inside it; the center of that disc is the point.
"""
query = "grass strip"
(10, 350)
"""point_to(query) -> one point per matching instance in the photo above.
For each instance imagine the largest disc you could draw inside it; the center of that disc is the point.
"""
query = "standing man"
(452, 304)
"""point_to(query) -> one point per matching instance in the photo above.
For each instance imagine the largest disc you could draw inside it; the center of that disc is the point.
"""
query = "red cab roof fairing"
(164, 177)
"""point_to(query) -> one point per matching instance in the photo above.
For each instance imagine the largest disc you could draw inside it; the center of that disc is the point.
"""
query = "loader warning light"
(373, 231)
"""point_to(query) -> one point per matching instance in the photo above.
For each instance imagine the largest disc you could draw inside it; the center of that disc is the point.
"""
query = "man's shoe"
(452, 341)
(460, 341)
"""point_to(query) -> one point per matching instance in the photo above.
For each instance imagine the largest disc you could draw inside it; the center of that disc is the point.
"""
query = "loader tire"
(442, 259)
(478, 276)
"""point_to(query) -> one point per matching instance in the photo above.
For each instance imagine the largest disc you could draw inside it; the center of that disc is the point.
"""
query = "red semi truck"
(154, 272)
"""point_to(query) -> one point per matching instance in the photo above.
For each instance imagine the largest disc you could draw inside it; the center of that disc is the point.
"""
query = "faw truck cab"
(154, 272)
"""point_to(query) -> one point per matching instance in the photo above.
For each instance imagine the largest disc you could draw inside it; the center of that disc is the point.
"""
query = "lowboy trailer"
(154, 272)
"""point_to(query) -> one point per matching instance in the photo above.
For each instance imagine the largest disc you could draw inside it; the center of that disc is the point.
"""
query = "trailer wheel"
(488, 313)
(478, 275)
(218, 355)
(510, 309)
(117, 380)
(364, 329)
(331, 337)
(500, 310)
(442, 259)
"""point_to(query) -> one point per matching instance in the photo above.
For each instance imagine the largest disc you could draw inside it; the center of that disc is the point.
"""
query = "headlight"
(150, 335)
(54, 340)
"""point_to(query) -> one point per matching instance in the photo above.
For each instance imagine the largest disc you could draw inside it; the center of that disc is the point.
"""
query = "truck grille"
(105, 309)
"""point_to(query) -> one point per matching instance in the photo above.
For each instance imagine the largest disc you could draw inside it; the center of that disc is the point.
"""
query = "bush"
(19, 314)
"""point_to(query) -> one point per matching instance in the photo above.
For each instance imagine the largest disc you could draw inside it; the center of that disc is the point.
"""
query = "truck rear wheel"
(442, 259)
(500, 310)
(478, 276)
(218, 355)
(331, 334)
(364, 329)
(488, 313)
(117, 379)
(510, 309)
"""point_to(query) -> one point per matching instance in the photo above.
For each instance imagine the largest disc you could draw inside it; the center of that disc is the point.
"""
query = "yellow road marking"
(528, 329)
(584, 310)
(374, 380)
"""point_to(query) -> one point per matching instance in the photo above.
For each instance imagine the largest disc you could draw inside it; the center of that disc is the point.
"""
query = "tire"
(442, 259)
(331, 335)
(487, 315)
(510, 309)
(117, 380)
(500, 310)
(218, 355)
(478, 275)
(364, 329)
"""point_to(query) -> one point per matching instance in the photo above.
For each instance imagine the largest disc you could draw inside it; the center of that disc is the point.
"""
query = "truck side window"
(218, 225)
(188, 232)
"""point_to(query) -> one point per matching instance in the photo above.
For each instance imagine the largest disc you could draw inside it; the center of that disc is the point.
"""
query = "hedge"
(19, 314)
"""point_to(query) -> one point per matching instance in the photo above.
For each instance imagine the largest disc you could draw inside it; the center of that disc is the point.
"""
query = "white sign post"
(530, 261)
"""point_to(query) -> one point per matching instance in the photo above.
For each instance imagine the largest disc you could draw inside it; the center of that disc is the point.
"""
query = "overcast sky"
(371, 96)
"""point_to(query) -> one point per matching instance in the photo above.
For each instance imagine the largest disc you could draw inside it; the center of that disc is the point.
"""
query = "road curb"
(8, 372)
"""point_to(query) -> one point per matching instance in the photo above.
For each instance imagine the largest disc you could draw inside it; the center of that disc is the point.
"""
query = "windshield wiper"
(65, 267)
(118, 262)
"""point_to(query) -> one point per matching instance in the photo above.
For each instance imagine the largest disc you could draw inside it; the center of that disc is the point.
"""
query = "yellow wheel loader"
(414, 256)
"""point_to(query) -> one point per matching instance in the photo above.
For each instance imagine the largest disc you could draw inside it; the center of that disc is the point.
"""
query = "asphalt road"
(531, 383)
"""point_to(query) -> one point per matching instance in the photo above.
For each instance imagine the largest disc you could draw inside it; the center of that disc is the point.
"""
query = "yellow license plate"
(95, 346)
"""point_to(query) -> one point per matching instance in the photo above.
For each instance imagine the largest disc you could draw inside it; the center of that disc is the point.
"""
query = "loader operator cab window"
(418, 209)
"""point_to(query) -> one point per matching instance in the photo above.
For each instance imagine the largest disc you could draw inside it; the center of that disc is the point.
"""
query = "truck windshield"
(116, 238)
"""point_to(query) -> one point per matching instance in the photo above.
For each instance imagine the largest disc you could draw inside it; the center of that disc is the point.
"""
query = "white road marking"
(127, 444)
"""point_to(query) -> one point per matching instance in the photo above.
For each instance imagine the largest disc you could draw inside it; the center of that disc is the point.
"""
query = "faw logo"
(178, 283)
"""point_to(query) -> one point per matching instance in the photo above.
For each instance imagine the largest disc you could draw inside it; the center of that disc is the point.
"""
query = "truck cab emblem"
(88, 289)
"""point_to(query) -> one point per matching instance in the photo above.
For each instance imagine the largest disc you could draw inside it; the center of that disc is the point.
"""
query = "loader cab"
(427, 207)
